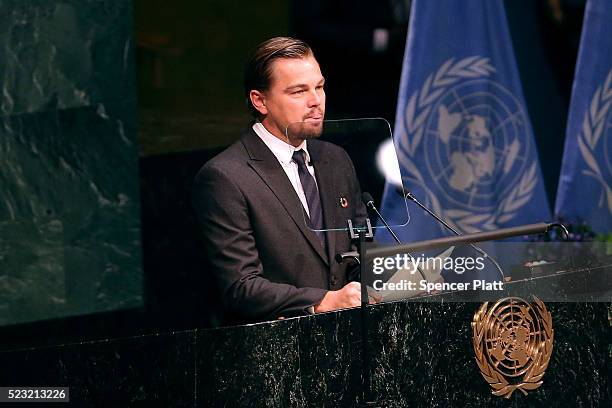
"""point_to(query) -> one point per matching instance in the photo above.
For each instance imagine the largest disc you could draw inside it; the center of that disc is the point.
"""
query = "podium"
(421, 355)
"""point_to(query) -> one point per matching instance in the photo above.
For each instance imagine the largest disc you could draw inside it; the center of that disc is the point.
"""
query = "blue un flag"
(462, 133)
(585, 185)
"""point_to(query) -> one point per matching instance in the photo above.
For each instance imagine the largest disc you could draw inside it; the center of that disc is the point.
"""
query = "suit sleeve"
(224, 219)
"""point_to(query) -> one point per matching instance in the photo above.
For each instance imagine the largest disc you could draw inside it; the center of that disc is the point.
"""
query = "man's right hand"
(348, 296)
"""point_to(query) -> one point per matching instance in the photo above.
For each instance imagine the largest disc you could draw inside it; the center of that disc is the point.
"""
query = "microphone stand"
(410, 196)
(369, 202)
(529, 229)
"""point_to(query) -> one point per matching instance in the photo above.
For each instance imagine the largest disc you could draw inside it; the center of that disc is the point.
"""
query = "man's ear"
(258, 100)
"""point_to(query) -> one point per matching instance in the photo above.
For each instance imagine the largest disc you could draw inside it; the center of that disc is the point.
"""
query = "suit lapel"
(327, 191)
(265, 164)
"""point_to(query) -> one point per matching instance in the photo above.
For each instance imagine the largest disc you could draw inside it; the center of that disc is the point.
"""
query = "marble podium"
(421, 355)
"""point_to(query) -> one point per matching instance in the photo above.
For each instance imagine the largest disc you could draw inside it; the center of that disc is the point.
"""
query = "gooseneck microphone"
(369, 203)
(411, 197)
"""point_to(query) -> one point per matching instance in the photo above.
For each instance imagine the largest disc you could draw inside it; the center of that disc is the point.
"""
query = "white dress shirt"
(284, 153)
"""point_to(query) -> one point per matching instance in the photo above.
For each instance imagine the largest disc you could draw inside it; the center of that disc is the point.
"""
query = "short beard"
(306, 130)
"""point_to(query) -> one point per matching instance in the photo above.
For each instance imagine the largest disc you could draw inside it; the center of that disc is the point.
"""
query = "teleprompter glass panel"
(341, 159)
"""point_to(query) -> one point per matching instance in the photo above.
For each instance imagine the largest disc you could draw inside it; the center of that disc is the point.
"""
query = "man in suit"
(263, 202)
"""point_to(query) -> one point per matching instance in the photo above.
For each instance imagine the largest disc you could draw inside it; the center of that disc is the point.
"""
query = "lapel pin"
(343, 202)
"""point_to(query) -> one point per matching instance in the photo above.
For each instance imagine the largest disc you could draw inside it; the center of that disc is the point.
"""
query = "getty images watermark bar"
(34, 394)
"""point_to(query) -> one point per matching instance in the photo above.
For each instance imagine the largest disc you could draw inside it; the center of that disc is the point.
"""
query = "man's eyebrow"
(296, 86)
(303, 86)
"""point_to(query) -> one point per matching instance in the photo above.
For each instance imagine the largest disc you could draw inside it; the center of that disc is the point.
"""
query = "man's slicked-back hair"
(258, 71)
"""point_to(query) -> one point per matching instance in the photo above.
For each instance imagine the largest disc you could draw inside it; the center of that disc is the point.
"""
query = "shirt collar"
(282, 150)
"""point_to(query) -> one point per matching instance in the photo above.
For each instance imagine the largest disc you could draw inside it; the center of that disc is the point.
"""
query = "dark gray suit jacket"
(266, 262)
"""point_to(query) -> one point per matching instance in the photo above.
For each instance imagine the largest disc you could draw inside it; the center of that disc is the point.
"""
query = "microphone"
(411, 197)
(369, 203)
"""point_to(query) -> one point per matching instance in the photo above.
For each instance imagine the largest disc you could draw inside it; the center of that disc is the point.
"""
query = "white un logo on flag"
(474, 137)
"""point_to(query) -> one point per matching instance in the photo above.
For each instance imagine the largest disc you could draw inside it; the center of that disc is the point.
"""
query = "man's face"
(295, 102)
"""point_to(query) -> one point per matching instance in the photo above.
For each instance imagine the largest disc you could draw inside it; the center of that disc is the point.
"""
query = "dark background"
(189, 58)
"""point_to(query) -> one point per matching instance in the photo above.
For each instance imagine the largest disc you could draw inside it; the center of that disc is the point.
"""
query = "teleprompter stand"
(359, 236)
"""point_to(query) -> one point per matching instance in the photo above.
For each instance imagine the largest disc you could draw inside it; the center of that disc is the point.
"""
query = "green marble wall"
(190, 65)
(69, 192)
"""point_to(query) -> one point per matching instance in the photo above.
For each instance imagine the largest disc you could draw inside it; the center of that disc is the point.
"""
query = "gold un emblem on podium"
(513, 341)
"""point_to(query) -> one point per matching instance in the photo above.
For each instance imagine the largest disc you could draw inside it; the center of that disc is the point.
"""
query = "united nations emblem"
(513, 342)
(474, 135)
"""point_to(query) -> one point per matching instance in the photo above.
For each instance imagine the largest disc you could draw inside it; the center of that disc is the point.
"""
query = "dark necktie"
(312, 195)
